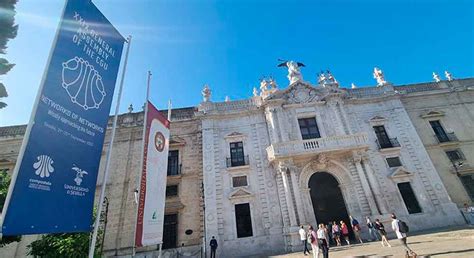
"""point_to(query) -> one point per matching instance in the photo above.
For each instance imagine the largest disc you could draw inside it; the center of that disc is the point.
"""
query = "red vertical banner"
(151, 201)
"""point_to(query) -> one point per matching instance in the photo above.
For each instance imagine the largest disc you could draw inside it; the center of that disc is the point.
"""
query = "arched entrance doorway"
(328, 201)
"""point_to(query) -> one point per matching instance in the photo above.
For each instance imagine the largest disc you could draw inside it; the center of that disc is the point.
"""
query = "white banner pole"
(137, 187)
(31, 122)
(109, 155)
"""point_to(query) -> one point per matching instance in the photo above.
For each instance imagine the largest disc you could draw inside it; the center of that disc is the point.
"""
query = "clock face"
(159, 141)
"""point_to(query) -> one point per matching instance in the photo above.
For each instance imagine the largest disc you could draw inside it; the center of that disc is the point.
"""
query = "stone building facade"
(184, 204)
(249, 172)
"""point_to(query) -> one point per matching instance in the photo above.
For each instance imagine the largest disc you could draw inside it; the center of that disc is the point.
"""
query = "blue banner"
(56, 177)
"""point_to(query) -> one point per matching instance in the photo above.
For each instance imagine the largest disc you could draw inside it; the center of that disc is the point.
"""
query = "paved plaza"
(453, 242)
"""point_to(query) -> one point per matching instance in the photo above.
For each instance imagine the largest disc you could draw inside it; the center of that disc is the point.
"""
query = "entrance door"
(328, 202)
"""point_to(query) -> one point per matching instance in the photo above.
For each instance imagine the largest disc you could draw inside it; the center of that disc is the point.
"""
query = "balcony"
(237, 161)
(387, 144)
(446, 137)
(315, 146)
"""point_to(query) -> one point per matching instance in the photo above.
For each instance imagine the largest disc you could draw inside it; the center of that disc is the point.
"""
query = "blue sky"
(230, 45)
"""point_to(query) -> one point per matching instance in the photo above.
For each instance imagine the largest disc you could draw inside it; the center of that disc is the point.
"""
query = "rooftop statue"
(294, 73)
(448, 75)
(378, 75)
(206, 93)
(436, 77)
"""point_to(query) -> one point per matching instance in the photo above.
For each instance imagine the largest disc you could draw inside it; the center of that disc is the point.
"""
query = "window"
(239, 181)
(243, 220)
(409, 198)
(468, 182)
(171, 190)
(237, 157)
(382, 137)
(439, 131)
(309, 128)
(394, 162)
(454, 155)
(173, 163)
(170, 231)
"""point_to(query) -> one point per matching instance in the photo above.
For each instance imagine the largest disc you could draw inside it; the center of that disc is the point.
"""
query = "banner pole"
(31, 122)
(109, 154)
(138, 184)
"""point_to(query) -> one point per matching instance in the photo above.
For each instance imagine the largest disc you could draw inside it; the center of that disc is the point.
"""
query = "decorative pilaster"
(283, 169)
(357, 159)
(375, 186)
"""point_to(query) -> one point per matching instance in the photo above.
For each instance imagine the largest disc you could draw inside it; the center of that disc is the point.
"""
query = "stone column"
(357, 158)
(375, 186)
(310, 218)
(299, 205)
(282, 169)
(340, 128)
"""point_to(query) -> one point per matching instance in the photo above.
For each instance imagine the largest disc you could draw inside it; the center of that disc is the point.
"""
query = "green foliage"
(60, 245)
(8, 30)
(69, 245)
(4, 184)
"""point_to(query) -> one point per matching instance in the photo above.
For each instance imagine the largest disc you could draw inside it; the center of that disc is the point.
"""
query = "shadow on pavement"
(454, 252)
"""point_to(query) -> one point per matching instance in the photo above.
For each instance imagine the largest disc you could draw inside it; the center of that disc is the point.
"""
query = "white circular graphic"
(83, 83)
(44, 166)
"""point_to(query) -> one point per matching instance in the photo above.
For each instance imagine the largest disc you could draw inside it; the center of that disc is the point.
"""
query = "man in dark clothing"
(213, 245)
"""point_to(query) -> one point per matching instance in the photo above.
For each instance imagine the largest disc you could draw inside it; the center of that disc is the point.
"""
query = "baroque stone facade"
(252, 169)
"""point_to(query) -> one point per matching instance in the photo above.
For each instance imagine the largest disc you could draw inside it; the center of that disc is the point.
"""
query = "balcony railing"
(237, 161)
(447, 137)
(389, 143)
(318, 145)
(174, 170)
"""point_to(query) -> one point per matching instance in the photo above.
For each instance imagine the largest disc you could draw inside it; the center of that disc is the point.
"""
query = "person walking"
(356, 228)
(303, 237)
(313, 239)
(383, 234)
(323, 242)
(372, 231)
(336, 233)
(345, 232)
(213, 245)
(328, 229)
(401, 229)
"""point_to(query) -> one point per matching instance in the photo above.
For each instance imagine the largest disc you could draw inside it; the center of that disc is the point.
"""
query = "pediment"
(432, 113)
(235, 136)
(400, 172)
(298, 92)
(377, 119)
(240, 193)
(176, 140)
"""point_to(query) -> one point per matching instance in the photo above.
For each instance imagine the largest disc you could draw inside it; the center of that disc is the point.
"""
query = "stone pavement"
(452, 242)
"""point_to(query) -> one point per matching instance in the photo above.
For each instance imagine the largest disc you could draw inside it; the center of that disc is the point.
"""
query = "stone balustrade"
(318, 145)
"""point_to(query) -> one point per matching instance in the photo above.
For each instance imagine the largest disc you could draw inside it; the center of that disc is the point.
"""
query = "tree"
(65, 245)
(8, 30)
(4, 184)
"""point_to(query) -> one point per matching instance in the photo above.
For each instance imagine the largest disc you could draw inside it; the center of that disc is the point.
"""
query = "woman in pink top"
(313, 239)
(345, 232)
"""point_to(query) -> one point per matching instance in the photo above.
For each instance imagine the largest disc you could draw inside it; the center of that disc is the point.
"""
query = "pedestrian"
(383, 234)
(356, 228)
(336, 233)
(313, 239)
(345, 232)
(213, 245)
(401, 229)
(303, 237)
(328, 229)
(372, 231)
(323, 242)
(468, 213)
